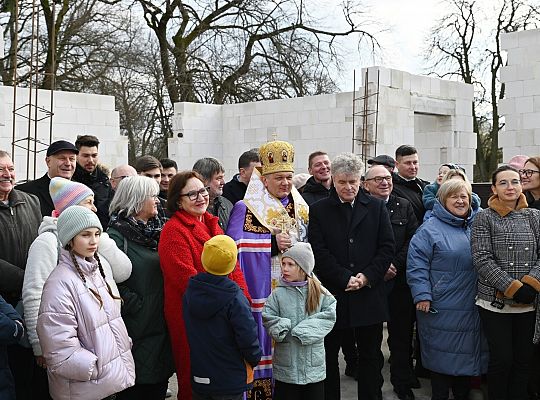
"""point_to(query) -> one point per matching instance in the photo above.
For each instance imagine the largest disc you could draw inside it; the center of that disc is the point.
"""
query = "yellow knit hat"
(219, 255)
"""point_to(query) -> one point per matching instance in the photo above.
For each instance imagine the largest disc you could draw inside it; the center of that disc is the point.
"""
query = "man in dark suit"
(353, 243)
(61, 161)
(378, 182)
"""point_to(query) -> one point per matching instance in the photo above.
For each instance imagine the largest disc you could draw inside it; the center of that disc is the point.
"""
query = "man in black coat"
(318, 186)
(61, 160)
(406, 182)
(90, 174)
(353, 243)
(378, 182)
(235, 189)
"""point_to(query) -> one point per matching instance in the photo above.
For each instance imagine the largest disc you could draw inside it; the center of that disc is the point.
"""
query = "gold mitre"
(276, 156)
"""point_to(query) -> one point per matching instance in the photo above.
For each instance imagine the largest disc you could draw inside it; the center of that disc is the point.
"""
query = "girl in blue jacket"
(299, 313)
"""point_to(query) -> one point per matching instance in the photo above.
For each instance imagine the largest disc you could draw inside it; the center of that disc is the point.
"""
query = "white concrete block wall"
(74, 114)
(521, 108)
(325, 123)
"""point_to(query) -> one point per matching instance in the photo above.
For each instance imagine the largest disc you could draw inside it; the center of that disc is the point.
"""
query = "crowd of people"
(112, 283)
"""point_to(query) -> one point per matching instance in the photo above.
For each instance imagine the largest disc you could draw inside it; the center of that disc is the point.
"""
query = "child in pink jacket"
(82, 335)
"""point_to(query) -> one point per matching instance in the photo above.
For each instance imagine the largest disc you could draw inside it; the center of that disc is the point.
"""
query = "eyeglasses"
(513, 182)
(194, 194)
(378, 179)
(156, 176)
(527, 173)
(153, 196)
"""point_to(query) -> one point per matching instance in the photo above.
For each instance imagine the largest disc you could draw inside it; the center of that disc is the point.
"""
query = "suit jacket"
(40, 188)
(346, 241)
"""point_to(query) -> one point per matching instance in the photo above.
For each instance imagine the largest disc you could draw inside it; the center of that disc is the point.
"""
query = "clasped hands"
(357, 282)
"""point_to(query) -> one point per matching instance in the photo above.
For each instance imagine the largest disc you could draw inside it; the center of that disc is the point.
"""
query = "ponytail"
(315, 291)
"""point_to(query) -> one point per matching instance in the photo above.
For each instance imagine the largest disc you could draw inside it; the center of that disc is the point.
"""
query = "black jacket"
(20, 220)
(531, 201)
(346, 241)
(222, 334)
(100, 185)
(412, 191)
(313, 191)
(404, 226)
(234, 190)
(40, 188)
(10, 333)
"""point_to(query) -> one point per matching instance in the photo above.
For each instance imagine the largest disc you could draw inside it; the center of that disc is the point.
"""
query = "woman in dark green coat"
(134, 204)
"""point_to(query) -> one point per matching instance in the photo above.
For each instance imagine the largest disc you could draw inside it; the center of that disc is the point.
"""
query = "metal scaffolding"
(31, 113)
(365, 117)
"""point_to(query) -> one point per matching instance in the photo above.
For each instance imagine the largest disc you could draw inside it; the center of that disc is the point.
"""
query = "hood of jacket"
(446, 216)
(312, 186)
(207, 294)
(49, 224)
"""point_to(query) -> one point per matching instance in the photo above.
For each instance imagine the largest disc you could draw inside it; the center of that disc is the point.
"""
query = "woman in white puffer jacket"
(44, 254)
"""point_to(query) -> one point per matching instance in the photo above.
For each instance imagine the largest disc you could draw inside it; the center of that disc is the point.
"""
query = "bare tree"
(224, 51)
(458, 50)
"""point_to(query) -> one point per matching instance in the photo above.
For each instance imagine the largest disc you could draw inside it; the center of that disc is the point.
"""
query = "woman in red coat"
(180, 248)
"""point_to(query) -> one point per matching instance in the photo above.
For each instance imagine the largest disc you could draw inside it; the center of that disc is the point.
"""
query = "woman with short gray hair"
(133, 205)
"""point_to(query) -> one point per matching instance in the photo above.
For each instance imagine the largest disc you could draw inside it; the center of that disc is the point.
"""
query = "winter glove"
(525, 294)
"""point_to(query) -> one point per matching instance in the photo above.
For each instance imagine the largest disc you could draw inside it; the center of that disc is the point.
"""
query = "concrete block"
(463, 123)
(513, 122)
(463, 107)
(309, 103)
(525, 72)
(287, 118)
(256, 121)
(528, 38)
(509, 40)
(295, 133)
(324, 116)
(435, 89)
(536, 136)
(525, 137)
(531, 120)
(344, 100)
(397, 79)
(531, 87)
(524, 104)
(228, 111)
(420, 84)
(514, 89)
(508, 106)
(536, 103)
(268, 120)
(465, 91)
(307, 117)
(231, 123)
(509, 73)
(325, 101)
(507, 138)
(516, 56)
(245, 122)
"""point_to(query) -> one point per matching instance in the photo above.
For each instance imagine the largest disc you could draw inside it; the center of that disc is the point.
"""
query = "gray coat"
(299, 356)
(506, 251)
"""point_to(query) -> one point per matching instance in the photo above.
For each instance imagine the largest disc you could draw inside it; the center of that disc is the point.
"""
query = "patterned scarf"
(146, 235)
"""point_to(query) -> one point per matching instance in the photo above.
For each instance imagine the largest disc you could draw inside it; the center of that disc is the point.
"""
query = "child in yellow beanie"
(222, 334)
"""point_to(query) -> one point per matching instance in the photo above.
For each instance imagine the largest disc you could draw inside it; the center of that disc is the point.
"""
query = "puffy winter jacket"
(440, 270)
(85, 343)
(299, 356)
(222, 335)
(42, 258)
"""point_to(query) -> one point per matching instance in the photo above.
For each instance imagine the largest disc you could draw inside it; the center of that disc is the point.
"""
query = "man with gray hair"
(353, 243)
(213, 174)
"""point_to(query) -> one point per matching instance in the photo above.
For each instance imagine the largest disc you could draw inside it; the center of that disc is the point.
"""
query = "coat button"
(526, 264)
(526, 248)
(510, 247)
(351, 265)
(351, 240)
(391, 211)
(511, 264)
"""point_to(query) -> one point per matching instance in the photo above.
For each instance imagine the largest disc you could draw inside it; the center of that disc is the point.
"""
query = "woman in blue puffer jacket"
(443, 284)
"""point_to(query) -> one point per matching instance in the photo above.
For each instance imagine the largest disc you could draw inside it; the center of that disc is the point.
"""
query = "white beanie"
(74, 220)
(302, 254)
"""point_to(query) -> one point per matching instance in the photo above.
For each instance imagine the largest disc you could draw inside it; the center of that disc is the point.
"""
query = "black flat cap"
(61, 145)
(383, 159)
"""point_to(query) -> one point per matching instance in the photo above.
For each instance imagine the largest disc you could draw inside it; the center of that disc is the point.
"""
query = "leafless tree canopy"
(458, 49)
(150, 54)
